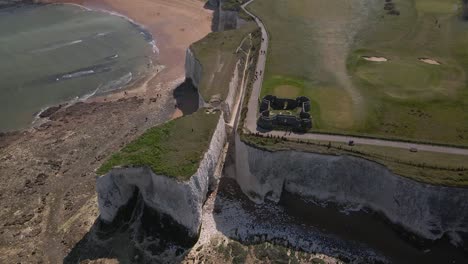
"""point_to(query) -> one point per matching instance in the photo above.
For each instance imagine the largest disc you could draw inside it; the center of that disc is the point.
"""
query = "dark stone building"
(299, 122)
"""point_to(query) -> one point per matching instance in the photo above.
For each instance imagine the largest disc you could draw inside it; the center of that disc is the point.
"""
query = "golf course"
(387, 69)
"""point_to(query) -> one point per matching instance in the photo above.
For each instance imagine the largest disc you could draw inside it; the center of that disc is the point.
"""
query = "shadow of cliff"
(138, 234)
(187, 97)
(324, 228)
(108, 240)
(91, 247)
(318, 226)
(213, 5)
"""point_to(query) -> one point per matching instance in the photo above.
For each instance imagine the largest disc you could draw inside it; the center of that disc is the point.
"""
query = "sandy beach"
(174, 24)
(47, 195)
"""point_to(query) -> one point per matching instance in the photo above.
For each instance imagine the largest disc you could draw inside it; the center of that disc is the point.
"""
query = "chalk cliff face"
(180, 200)
(427, 210)
(233, 93)
(224, 19)
(227, 19)
(193, 71)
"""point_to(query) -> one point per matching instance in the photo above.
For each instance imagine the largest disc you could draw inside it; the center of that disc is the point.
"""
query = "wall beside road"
(426, 210)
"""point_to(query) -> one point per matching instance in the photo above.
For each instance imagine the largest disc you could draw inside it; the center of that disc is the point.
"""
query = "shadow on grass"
(213, 6)
(187, 97)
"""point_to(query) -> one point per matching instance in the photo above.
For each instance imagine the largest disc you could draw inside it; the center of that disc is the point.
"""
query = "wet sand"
(174, 24)
(47, 196)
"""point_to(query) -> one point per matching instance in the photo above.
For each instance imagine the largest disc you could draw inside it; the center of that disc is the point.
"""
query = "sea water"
(51, 54)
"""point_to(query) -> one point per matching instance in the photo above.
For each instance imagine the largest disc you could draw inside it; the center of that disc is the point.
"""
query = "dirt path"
(251, 119)
(235, 116)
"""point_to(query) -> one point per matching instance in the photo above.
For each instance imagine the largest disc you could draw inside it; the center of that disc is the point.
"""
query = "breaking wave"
(57, 46)
(143, 30)
(155, 48)
(77, 74)
(102, 34)
(116, 84)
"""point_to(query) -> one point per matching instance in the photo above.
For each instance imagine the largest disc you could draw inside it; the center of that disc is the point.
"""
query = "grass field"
(428, 167)
(173, 149)
(316, 50)
(218, 57)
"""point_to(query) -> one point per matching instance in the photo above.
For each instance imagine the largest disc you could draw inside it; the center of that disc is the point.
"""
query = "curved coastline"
(68, 147)
(126, 82)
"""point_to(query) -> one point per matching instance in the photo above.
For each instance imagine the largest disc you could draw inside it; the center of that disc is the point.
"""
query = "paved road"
(251, 119)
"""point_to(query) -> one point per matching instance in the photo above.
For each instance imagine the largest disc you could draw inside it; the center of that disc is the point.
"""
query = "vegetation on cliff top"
(317, 50)
(428, 167)
(173, 149)
(218, 55)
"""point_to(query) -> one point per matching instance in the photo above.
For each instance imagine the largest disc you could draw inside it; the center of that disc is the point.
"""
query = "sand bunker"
(376, 59)
(429, 61)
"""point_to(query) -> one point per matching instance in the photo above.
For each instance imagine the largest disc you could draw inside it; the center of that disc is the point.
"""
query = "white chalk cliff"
(193, 71)
(182, 200)
(427, 210)
(233, 93)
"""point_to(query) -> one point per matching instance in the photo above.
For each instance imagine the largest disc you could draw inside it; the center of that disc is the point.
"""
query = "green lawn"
(218, 57)
(429, 167)
(316, 50)
(173, 149)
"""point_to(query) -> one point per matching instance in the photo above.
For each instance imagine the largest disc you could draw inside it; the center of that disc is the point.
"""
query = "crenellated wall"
(427, 210)
(180, 200)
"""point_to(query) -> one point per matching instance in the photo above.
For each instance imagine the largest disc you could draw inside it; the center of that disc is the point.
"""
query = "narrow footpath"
(251, 119)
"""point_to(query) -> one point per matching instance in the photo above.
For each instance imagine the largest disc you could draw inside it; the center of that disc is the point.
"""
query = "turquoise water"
(55, 53)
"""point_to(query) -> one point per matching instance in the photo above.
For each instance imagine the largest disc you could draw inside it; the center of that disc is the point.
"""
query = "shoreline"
(48, 171)
(166, 66)
(95, 95)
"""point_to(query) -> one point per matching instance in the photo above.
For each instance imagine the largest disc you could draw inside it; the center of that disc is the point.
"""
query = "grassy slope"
(428, 167)
(171, 149)
(308, 48)
(411, 99)
(217, 54)
(312, 52)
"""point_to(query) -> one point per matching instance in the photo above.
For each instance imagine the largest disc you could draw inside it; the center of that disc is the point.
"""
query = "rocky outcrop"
(182, 201)
(427, 210)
